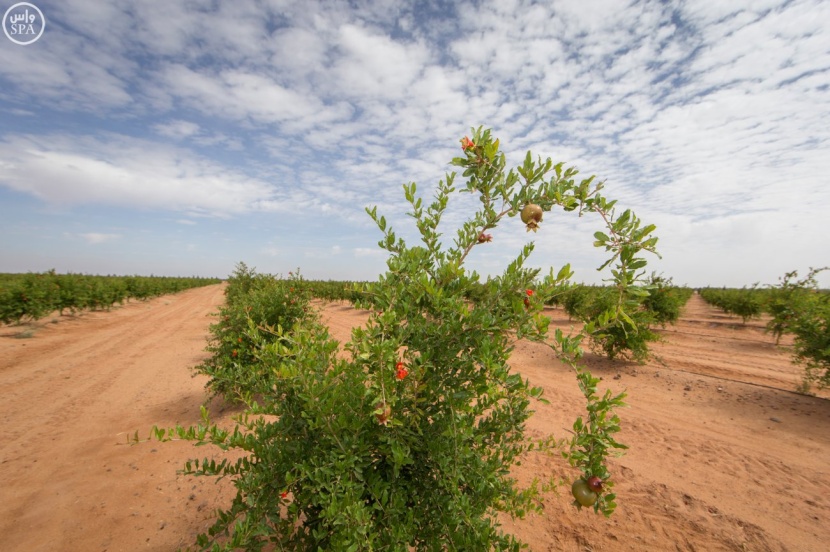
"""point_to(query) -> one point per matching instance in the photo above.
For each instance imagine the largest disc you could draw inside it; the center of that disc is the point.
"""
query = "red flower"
(482, 238)
(283, 494)
(466, 144)
(401, 372)
(234, 353)
(529, 293)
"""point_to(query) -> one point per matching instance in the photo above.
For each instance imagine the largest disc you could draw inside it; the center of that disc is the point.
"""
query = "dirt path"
(749, 354)
(723, 455)
(70, 395)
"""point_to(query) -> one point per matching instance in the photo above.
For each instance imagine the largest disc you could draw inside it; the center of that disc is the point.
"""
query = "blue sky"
(178, 138)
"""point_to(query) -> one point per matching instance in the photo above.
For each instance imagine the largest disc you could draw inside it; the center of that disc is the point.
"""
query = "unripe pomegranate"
(583, 493)
(531, 216)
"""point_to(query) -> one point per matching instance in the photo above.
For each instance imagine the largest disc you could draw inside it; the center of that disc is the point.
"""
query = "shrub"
(259, 310)
(798, 307)
(408, 444)
(812, 341)
(664, 301)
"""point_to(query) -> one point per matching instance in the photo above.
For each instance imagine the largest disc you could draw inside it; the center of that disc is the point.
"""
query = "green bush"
(800, 308)
(665, 301)
(408, 443)
(613, 335)
(576, 301)
(812, 340)
(619, 336)
(746, 303)
(259, 310)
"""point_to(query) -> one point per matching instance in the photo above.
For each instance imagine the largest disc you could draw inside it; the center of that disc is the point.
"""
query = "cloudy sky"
(178, 138)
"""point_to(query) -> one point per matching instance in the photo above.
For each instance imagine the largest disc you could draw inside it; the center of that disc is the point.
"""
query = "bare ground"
(724, 455)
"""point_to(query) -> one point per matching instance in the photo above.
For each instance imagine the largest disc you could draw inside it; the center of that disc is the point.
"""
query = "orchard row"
(28, 297)
(796, 307)
(658, 303)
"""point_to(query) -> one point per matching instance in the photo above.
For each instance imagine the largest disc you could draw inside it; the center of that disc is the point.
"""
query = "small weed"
(805, 387)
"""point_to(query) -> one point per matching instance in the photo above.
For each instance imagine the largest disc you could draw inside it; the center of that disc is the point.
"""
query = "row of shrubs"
(658, 303)
(334, 290)
(662, 305)
(794, 306)
(748, 303)
(276, 303)
(28, 297)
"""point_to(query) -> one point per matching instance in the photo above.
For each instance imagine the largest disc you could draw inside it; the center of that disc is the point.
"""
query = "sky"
(179, 138)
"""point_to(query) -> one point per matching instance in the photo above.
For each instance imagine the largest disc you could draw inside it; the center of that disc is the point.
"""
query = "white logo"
(23, 25)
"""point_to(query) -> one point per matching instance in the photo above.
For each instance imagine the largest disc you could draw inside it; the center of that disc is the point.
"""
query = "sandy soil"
(724, 456)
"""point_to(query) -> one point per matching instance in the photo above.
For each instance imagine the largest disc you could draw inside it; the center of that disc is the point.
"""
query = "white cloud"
(177, 129)
(127, 172)
(248, 96)
(712, 118)
(67, 71)
(374, 65)
(368, 252)
(95, 238)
